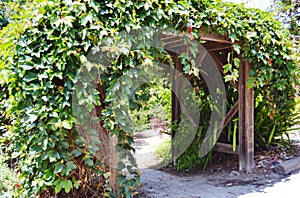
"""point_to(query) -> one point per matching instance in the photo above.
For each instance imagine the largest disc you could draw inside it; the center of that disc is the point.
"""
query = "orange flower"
(270, 61)
(17, 185)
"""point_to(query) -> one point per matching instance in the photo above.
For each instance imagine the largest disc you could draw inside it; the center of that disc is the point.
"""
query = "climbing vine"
(40, 68)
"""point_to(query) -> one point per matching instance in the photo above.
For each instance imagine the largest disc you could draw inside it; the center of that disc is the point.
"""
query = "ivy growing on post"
(42, 53)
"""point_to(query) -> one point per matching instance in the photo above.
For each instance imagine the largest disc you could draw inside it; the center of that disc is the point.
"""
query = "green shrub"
(140, 119)
(163, 151)
(156, 104)
(272, 127)
(159, 104)
(8, 179)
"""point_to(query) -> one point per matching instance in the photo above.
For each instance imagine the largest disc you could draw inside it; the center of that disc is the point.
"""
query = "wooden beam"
(180, 44)
(219, 48)
(226, 148)
(249, 119)
(214, 37)
(246, 119)
(214, 46)
(205, 37)
(230, 114)
(174, 42)
(167, 36)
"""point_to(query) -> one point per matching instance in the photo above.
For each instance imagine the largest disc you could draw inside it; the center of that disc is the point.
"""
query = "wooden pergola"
(218, 48)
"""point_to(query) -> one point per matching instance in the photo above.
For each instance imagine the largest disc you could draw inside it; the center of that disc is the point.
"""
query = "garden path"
(158, 183)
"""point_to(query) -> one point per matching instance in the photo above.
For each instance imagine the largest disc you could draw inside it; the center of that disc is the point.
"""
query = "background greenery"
(8, 178)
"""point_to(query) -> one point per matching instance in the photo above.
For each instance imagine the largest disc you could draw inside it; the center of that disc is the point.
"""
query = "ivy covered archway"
(39, 68)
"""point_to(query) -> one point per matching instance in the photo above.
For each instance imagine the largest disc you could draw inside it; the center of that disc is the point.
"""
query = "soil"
(221, 178)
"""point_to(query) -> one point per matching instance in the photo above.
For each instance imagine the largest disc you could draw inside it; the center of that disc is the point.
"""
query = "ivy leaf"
(60, 89)
(77, 152)
(237, 48)
(71, 166)
(68, 20)
(77, 184)
(32, 118)
(251, 34)
(227, 68)
(58, 187)
(67, 185)
(88, 162)
(26, 67)
(58, 167)
(236, 62)
(86, 19)
(66, 124)
(45, 144)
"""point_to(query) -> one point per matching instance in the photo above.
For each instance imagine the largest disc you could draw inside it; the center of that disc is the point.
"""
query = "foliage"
(8, 179)
(9, 9)
(156, 104)
(140, 119)
(3, 20)
(163, 151)
(274, 91)
(276, 123)
(42, 54)
(287, 11)
(37, 101)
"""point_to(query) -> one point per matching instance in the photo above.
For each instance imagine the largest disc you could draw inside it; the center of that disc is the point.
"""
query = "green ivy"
(46, 49)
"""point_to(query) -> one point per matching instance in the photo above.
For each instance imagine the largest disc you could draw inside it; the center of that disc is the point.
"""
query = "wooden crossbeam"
(214, 37)
(219, 48)
(230, 114)
(204, 37)
(226, 148)
(180, 44)
(174, 42)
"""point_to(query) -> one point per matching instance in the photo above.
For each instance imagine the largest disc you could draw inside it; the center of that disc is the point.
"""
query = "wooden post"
(176, 110)
(246, 119)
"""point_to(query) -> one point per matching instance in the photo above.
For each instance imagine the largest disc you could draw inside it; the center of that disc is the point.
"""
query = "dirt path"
(214, 184)
(145, 143)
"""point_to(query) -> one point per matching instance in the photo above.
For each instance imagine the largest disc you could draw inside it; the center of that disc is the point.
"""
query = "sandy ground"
(161, 184)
